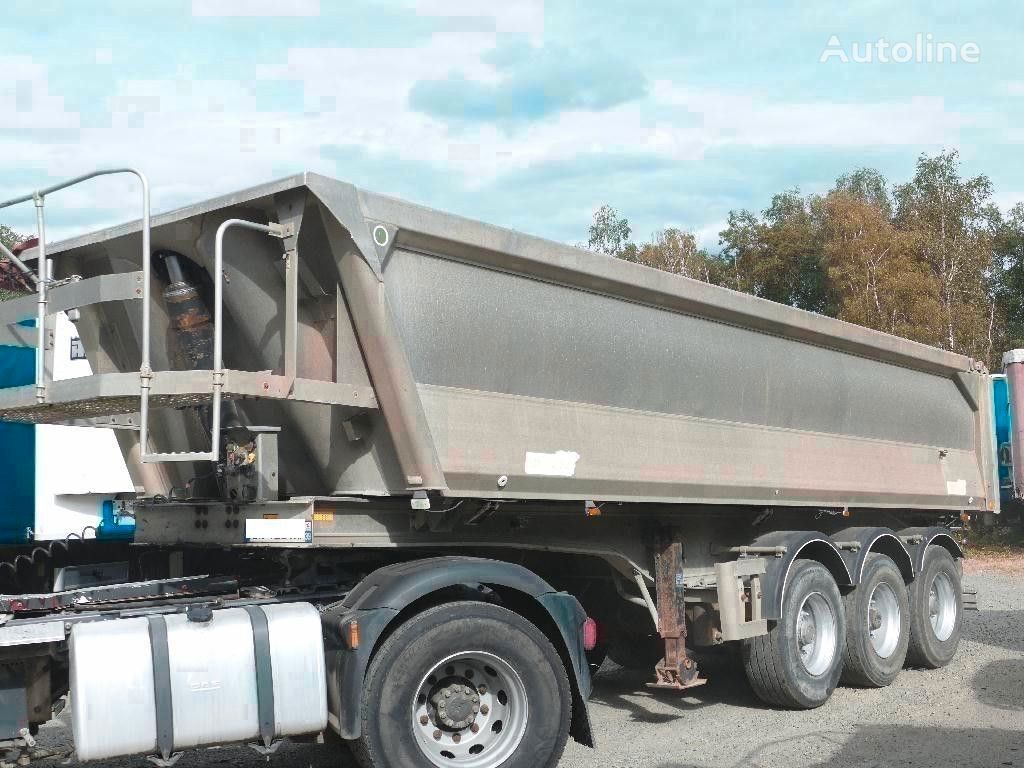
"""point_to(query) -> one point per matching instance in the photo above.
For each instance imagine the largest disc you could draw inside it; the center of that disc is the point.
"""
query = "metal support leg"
(677, 670)
(41, 315)
(291, 313)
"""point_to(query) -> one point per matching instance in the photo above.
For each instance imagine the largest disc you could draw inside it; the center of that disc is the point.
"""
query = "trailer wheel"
(465, 685)
(936, 611)
(877, 625)
(798, 663)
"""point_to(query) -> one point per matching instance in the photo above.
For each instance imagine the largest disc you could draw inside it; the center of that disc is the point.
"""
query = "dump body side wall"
(646, 402)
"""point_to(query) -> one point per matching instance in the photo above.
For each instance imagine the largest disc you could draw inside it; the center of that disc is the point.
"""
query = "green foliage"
(609, 233)
(1009, 266)
(932, 259)
(670, 250)
(867, 185)
(9, 237)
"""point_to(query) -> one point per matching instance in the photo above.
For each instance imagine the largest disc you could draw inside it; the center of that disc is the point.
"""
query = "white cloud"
(731, 118)
(1007, 200)
(197, 138)
(26, 103)
(257, 8)
(506, 17)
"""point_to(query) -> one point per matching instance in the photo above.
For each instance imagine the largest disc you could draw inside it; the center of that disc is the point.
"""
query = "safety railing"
(146, 375)
(43, 276)
(43, 279)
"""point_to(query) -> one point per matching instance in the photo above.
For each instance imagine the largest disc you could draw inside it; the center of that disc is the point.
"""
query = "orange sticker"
(323, 517)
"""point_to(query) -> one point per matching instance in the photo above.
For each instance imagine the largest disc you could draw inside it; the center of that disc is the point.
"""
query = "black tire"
(773, 661)
(411, 653)
(926, 648)
(864, 665)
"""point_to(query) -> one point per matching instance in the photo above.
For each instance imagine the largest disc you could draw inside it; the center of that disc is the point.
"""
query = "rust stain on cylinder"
(191, 323)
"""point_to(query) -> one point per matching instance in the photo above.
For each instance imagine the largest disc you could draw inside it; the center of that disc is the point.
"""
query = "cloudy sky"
(524, 113)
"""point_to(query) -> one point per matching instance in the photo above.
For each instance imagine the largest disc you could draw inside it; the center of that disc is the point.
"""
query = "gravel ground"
(968, 714)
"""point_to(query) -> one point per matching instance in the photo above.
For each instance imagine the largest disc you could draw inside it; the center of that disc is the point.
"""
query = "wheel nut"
(437, 735)
(474, 728)
(456, 737)
(484, 709)
(424, 719)
(482, 689)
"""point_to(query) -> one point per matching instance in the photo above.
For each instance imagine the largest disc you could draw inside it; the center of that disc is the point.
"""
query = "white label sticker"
(258, 529)
(956, 487)
(557, 464)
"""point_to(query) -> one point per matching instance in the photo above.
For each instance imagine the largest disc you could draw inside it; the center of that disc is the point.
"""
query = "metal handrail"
(42, 277)
(273, 230)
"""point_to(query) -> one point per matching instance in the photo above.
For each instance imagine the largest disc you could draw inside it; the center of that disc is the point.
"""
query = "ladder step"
(160, 458)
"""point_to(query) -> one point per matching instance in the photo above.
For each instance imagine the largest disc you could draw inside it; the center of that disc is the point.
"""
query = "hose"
(38, 554)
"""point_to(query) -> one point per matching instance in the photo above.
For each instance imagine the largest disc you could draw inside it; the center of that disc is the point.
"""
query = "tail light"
(590, 634)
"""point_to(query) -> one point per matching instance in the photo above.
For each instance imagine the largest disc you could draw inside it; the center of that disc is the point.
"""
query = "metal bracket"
(266, 751)
(281, 230)
(733, 599)
(165, 762)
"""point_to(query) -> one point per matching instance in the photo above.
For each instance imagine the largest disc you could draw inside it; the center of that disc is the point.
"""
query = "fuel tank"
(196, 680)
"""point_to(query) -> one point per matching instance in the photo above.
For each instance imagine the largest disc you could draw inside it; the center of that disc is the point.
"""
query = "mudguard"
(379, 598)
(794, 545)
(918, 540)
(874, 539)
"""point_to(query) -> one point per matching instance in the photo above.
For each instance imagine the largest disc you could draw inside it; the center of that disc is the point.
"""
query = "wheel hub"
(874, 619)
(456, 703)
(816, 636)
(884, 620)
(942, 606)
(470, 711)
(808, 632)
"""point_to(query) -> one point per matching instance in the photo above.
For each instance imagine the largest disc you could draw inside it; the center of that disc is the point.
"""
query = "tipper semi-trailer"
(403, 478)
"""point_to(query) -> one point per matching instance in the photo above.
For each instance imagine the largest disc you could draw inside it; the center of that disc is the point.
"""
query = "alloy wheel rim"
(816, 634)
(470, 711)
(884, 620)
(942, 606)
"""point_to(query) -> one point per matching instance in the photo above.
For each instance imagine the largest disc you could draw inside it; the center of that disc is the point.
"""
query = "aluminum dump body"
(399, 348)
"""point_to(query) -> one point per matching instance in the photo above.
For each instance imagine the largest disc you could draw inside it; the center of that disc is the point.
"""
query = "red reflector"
(17, 605)
(589, 634)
